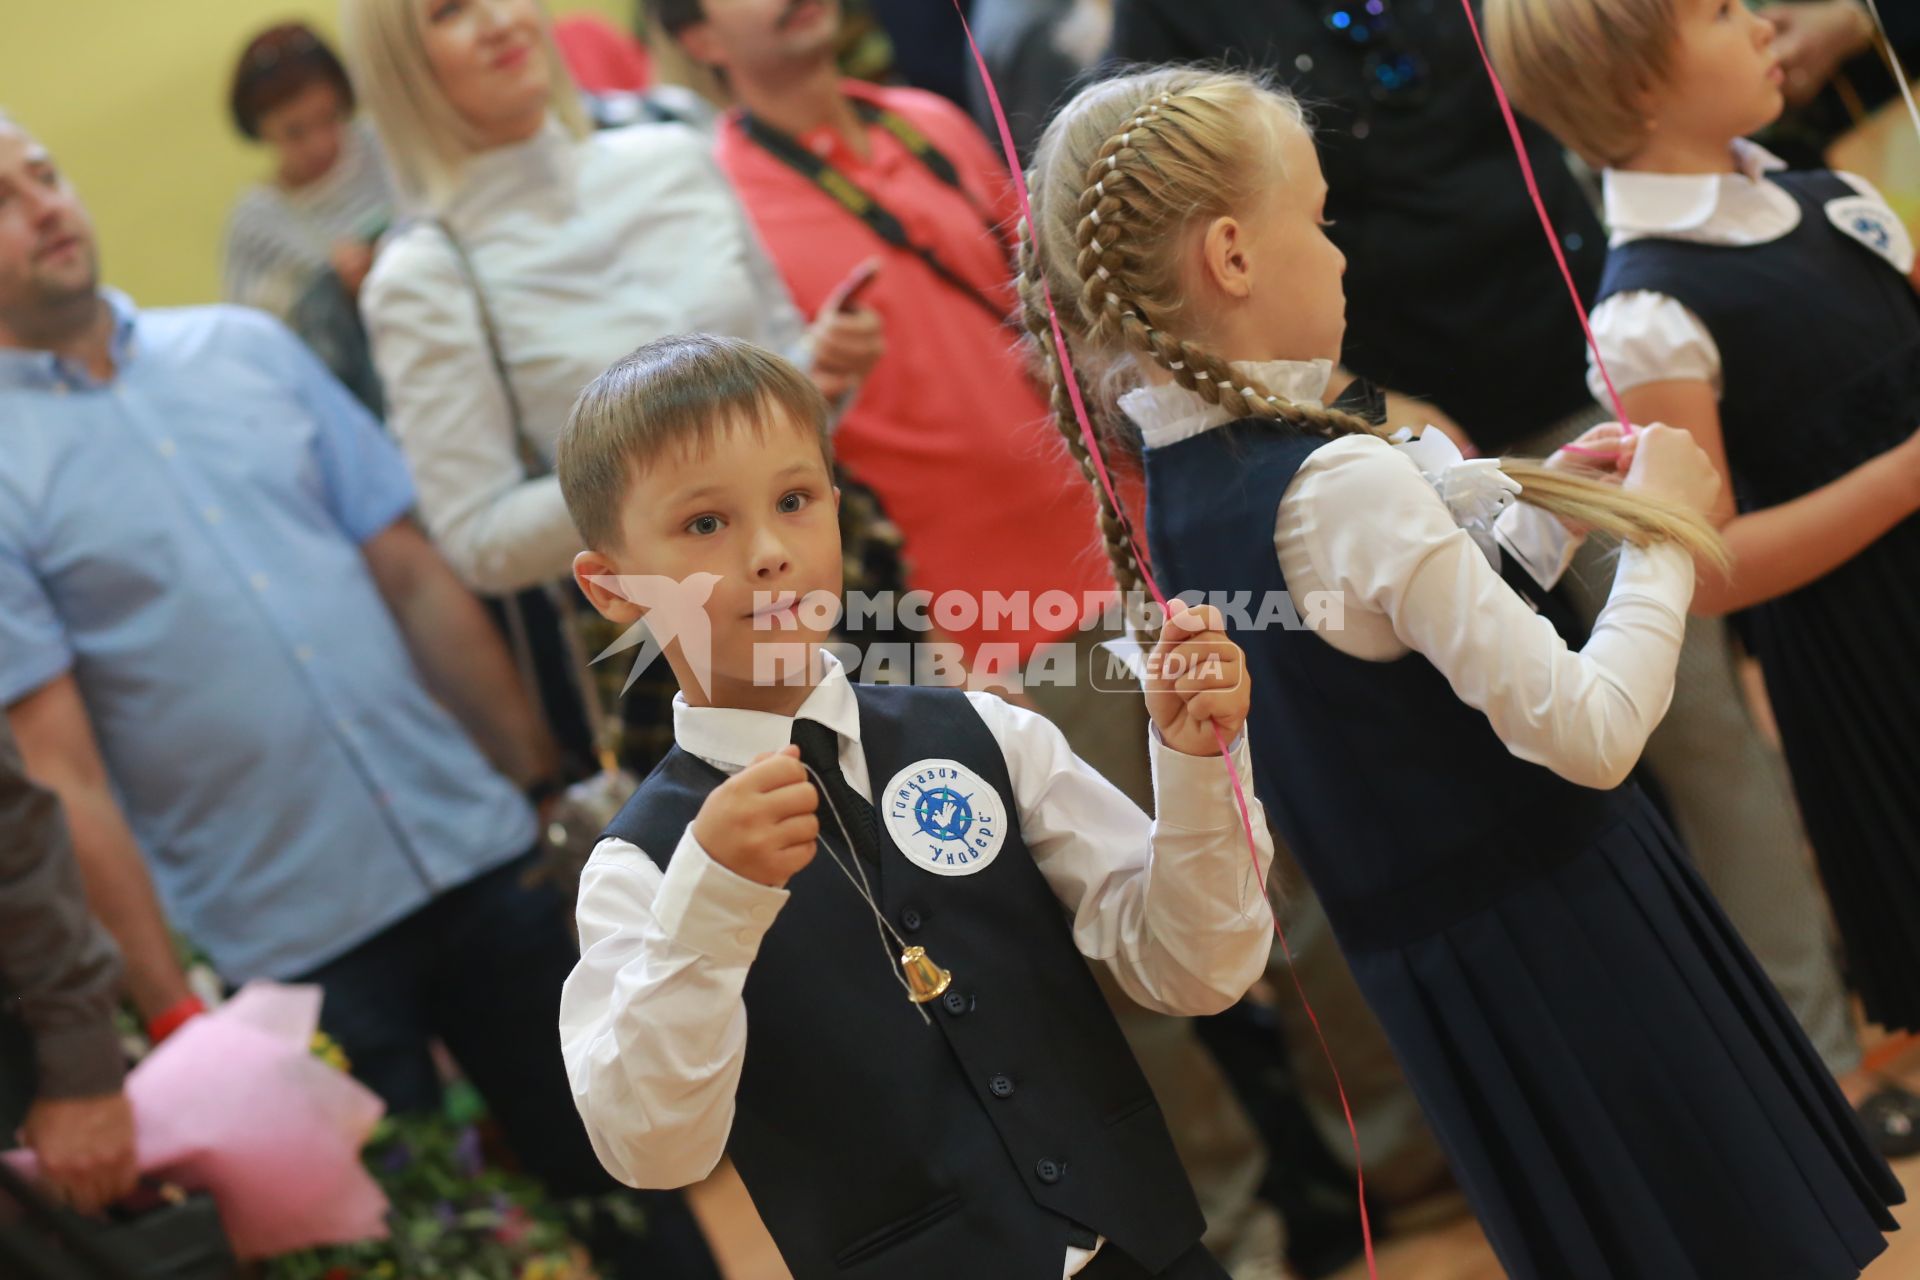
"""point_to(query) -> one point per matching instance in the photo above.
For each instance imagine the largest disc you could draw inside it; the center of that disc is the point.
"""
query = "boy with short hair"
(737, 993)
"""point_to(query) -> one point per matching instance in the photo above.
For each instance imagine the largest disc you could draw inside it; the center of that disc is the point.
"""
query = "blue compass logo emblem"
(1874, 232)
(943, 813)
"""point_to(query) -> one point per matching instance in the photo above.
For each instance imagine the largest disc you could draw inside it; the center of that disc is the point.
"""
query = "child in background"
(1770, 314)
(736, 994)
(1620, 1092)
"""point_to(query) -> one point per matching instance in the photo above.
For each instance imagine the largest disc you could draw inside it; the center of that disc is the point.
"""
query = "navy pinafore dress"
(1819, 340)
(1619, 1090)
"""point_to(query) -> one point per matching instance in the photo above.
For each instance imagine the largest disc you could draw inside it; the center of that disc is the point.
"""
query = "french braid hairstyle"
(1121, 173)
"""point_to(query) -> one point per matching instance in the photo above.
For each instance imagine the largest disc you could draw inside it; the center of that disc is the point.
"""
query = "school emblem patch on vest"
(1875, 226)
(944, 817)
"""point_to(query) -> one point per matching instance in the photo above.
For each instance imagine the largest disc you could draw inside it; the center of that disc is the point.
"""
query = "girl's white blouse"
(1359, 521)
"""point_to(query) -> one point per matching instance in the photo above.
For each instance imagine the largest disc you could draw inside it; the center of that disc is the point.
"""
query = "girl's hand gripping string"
(1665, 462)
(1603, 448)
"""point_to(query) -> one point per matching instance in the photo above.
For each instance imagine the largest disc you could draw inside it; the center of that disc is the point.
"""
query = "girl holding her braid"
(1620, 1091)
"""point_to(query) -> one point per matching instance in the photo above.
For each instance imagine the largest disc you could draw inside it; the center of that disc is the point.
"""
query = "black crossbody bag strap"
(878, 218)
(603, 721)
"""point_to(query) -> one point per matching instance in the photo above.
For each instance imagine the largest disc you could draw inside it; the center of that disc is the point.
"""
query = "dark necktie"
(820, 751)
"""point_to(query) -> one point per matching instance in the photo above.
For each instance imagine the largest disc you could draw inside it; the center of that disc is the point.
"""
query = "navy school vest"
(875, 1145)
(1819, 339)
(1401, 803)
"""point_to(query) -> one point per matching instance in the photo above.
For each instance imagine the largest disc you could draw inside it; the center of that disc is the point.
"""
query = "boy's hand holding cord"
(761, 823)
(1197, 682)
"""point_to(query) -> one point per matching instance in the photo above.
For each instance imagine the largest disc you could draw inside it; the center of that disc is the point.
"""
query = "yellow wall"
(129, 95)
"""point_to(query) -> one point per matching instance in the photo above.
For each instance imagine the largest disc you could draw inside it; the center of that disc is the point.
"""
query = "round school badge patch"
(944, 817)
(1874, 225)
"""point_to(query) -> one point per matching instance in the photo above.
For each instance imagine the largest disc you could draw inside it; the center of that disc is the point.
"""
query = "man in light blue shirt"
(229, 650)
(210, 545)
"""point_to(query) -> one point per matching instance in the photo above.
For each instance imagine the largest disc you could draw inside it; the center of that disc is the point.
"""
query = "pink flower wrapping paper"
(235, 1104)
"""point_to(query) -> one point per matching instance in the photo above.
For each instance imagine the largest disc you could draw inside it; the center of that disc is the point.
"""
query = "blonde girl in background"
(1619, 1090)
(1773, 315)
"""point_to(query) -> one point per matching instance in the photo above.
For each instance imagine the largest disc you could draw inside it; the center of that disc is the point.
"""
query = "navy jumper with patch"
(1819, 339)
(875, 1145)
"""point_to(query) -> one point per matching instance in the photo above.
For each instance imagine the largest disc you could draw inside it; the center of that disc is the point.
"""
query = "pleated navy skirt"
(1842, 662)
(1620, 1091)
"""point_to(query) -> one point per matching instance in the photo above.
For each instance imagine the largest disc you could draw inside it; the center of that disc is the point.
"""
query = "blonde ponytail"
(1635, 518)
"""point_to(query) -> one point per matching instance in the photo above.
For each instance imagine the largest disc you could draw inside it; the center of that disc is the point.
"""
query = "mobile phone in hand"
(856, 284)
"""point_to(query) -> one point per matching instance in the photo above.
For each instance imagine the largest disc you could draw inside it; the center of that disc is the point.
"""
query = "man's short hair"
(674, 393)
(675, 16)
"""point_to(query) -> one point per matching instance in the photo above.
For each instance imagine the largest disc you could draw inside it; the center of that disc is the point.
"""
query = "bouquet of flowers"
(453, 1214)
(450, 1211)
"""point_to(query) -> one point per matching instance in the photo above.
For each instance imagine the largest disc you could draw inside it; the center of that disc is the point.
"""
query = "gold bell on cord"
(925, 979)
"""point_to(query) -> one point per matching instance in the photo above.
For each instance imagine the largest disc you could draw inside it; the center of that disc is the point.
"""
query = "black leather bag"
(158, 1234)
(171, 1237)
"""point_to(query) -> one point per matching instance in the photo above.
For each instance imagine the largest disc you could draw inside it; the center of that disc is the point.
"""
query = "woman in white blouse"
(584, 245)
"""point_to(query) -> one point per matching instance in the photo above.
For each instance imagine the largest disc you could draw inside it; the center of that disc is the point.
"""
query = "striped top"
(278, 240)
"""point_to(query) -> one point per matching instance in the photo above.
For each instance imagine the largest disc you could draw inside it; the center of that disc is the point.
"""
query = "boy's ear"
(599, 578)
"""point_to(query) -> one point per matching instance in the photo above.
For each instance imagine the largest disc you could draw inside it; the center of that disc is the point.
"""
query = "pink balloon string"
(1113, 497)
(1553, 236)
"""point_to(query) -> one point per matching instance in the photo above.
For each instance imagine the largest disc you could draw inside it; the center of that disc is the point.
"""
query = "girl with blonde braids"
(1619, 1090)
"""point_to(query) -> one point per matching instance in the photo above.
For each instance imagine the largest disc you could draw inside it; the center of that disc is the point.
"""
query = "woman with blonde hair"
(581, 246)
(537, 254)
(1619, 1091)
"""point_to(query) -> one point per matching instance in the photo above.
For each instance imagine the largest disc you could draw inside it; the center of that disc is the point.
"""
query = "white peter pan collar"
(1738, 208)
(1167, 413)
(729, 738)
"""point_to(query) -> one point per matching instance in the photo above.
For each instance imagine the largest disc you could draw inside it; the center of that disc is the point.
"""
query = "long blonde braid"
(1124, 168)
(1116, 535)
